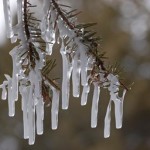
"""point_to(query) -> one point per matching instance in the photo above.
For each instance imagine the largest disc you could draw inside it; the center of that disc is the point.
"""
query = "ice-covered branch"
(28, 78)
(81, 59)
(82, 64)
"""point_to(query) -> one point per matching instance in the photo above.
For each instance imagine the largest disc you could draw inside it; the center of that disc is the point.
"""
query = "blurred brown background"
(124, 26)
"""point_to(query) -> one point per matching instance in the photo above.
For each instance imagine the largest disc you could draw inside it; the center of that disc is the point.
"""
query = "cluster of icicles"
(78, 67)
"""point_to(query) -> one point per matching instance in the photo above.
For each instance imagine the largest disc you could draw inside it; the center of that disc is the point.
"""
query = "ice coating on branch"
(67, 69)
(95, 102)
(8, 18)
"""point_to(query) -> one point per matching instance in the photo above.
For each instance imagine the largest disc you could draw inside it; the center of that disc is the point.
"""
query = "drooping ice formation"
(27, 77)
(118, 101)
(81, 63)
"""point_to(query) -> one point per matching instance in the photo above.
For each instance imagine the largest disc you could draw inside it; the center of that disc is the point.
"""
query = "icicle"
(11, 101)
(84, 95)
(67, 68)
(31, 116)
(118, 114)
(24, 91)
(76, 75)
(39, 116)
(119, 110)
(95, 101)
(107, 121)
(55, 108)
(8, 18)
(19, 10)
(15, 74)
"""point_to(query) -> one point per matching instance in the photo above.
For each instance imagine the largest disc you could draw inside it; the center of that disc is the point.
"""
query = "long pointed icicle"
(107, 121)
(67, 69)
(8, 18)
(95, 101)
